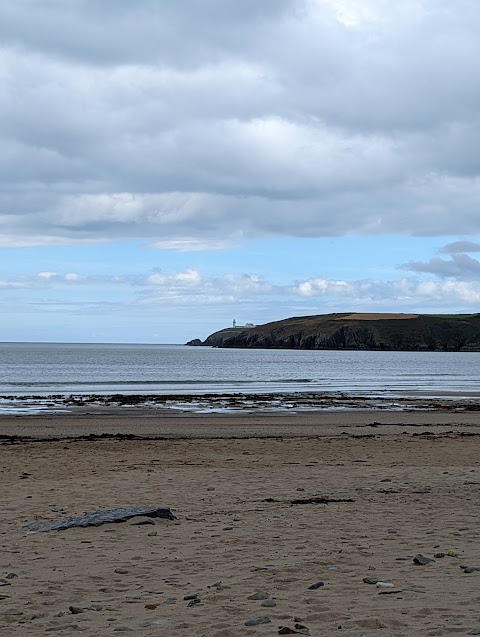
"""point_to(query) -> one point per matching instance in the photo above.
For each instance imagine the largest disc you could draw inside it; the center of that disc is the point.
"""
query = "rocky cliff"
(351, 331)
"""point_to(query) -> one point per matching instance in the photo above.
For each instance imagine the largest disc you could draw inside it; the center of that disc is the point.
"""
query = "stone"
(97, 518)
(471, 569)
(95, 607)
(313, 587)
(123, 629)
(152, 534)
(474, 631)
(194, 602)
(268, 603)
(370, 580)
(191, 596)
(421, 559)
(259, 595)
(285, 630)
(384, 585)
(257, 621)
(121, 571)
(438, 556)
(76, 610)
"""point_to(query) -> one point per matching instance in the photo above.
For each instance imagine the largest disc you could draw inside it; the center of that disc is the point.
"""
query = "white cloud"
(188, 278)
(407, 293)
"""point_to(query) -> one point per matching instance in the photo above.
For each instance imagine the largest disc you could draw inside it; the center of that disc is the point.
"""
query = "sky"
(167, 167)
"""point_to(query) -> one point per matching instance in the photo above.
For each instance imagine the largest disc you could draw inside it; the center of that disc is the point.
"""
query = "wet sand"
(401, 484)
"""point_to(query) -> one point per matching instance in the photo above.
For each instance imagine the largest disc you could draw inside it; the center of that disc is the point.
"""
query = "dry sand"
(414, 479)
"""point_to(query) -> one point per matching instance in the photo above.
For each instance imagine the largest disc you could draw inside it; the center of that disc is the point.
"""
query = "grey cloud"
(217, 121)
(460, 266)
(460, 246)
(184, 33)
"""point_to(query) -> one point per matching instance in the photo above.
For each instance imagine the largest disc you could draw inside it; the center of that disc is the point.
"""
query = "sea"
(37, 370)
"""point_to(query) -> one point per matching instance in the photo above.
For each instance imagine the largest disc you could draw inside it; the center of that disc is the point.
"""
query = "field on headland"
(396, 485)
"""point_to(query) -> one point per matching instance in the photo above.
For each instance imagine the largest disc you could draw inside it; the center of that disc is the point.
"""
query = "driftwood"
(97, 518)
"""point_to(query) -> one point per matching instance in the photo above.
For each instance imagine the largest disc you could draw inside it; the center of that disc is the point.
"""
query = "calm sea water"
(41, 368)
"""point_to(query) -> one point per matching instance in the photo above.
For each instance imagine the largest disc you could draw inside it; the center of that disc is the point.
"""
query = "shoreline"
(151, 424)
(234, 403)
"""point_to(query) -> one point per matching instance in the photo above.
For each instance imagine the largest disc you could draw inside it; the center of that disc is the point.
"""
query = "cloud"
(460, 246)
(405, 293)
(249, 294)
(191, 124)
(460, 266)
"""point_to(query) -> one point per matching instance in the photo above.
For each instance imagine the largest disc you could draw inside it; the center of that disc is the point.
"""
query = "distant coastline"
(356, 331)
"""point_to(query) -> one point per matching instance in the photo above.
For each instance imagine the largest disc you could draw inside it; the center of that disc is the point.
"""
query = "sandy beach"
(378, 488)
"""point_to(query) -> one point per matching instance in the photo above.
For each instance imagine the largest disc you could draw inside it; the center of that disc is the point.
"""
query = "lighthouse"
(234, 323)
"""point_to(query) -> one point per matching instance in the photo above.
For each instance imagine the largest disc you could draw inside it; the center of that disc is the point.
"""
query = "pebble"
(152, 534)
(384, 585)
(96, 607)
(474, 631)
(313, 587)
(370, 580)
(75, 610)
(269, 603)
(421, 559)
(256, 621)
(194, 602)
(121, 571)
(259, 595)
(191, 596)
(439, 555)
(471, 569)
(59, 613)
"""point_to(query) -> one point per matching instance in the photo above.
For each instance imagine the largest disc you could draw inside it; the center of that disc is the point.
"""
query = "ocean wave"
(133, 383)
